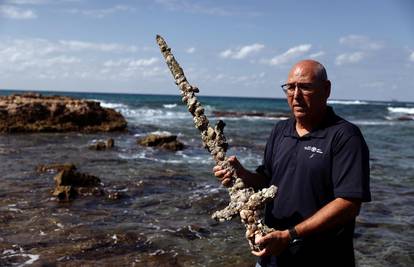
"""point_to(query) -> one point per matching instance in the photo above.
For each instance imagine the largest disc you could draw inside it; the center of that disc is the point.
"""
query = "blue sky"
(231, 48)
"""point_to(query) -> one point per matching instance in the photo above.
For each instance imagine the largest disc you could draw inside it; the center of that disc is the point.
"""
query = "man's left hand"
(274, 243)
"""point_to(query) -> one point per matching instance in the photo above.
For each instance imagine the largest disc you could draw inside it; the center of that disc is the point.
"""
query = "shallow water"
(163, 218)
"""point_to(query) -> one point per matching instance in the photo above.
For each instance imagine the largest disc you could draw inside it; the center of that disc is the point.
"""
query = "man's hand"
(224, 175)
(274, 243)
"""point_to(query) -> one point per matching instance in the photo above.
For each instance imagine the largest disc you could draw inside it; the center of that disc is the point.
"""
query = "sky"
(226, 48)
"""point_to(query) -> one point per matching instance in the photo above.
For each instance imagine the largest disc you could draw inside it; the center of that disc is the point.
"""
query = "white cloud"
(226, 53)
(75, 45)
(46, 59)
(100, 13)
(143, 62)
(190, 50)
(411, 58)
(360, 42)
(290, 54)
(27, 2)
(348, 58)
(203, 8)
(12, 12)
(317, 54)
(128, 62)
(242, 52)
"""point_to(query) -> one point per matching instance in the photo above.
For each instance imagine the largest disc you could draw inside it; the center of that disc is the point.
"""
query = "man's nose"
(297, 91)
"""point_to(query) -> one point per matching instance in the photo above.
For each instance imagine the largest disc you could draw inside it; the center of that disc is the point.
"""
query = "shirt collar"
(318, 132)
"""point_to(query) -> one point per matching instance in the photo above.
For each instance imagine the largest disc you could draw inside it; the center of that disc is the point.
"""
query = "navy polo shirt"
(310, 171)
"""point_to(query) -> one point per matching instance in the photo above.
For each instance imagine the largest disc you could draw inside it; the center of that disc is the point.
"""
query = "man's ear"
(327, 88)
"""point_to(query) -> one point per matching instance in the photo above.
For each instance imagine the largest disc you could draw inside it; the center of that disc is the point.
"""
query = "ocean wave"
(115, 106)
(401, 110)
(161, 133)
(169, 105)
(146, 115)
(177, 158)
(347, 102)
(377, 122)
(154, 116)
(250, 118)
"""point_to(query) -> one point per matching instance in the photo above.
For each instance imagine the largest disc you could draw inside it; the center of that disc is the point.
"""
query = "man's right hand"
(224, 175)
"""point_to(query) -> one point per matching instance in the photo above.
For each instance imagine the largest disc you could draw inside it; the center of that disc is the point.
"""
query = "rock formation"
(169, 142)
(102, 144)
(69, 184)
(243, 201)
(36, 113)
(55, 167)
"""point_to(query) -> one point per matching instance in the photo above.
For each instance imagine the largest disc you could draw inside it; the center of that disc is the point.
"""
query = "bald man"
(320, 164)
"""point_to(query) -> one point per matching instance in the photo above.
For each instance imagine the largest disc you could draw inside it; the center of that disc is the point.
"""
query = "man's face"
(308, 94)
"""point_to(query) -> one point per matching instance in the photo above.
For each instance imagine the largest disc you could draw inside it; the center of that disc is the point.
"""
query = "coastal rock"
(55, 167)
(36, 113)
(406, 118)
(102, 145)
(69, 184)
(192, 232)
(169, 142)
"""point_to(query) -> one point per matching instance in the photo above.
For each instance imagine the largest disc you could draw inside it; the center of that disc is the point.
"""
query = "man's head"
(307, 89)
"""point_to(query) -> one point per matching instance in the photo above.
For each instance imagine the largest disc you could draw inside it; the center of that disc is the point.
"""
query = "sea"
(167, 198)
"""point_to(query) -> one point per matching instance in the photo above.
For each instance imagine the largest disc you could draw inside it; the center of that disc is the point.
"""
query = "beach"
(162, 217)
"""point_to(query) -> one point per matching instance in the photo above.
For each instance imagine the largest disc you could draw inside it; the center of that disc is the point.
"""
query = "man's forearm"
(334, 214)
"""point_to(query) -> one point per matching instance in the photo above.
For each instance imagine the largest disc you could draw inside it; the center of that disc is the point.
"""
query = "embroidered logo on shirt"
(313, 150)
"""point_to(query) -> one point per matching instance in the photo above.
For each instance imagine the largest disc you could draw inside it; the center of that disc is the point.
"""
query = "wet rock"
(69, 184)
(102, 145)
(406, 118)
(169, 142)
(55, 167)
(36, 113)
(105, 247)
(192, 232)
(114, 195)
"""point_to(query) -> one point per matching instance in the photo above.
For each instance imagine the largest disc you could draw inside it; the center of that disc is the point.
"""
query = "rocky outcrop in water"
(168, 142)
(55, 167)
(69, 184)
(102, 144)
(36, 113)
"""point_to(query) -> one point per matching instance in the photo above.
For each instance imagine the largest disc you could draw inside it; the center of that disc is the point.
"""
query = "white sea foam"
(169, 105)
(347, 102)
(374, 122)
(251, 118)
(147, 115)
(401, 110)
(115, 106)
(9, 253)
(153, 116)
(162, 133)
(178, 158)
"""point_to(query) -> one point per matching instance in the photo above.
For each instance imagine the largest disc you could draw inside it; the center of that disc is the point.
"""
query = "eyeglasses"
(305, 88)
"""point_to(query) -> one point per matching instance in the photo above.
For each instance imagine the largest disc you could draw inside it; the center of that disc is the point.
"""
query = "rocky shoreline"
(32, 112)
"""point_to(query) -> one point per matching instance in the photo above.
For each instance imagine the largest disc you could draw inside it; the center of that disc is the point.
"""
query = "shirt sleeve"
(350, 169)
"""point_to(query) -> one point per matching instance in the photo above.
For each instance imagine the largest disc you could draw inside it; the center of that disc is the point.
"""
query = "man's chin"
(299, 113)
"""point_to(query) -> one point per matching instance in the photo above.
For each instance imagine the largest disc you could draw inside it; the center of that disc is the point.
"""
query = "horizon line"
(155, 94)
